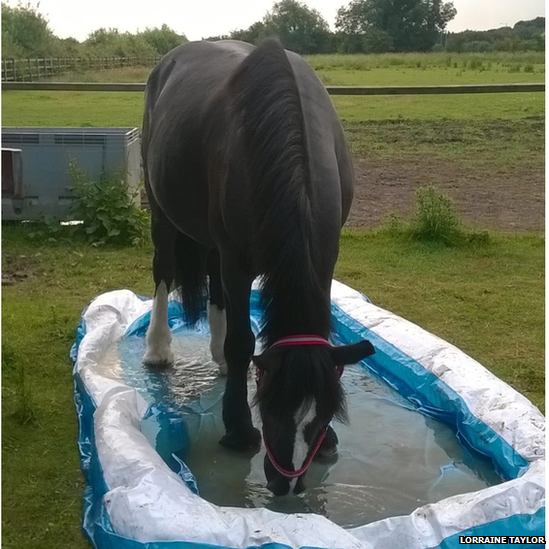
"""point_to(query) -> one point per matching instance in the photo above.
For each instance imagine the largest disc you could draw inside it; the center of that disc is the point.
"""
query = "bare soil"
(17, 268)
(507, 200)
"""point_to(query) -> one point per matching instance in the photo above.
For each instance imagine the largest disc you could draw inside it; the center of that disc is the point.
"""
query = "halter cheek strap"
(294, 474)
(291, 341)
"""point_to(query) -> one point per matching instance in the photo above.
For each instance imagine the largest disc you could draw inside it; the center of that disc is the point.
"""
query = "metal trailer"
(36, 178)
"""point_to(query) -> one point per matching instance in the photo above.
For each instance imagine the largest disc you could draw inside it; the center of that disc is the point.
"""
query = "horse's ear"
(349, 354)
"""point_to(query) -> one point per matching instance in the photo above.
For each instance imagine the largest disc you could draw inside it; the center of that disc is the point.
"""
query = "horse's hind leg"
(159, 337)
(216, 312)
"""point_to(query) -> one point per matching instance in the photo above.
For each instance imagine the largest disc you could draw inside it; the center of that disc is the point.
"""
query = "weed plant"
(108, 210)
(435, 220)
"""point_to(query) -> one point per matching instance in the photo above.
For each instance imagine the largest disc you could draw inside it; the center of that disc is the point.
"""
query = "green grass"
(497, 144)
(123, 109)
(112, 109)
(129, 74)
(438, 107)
(484, 131)
(476, 62)
(74, 109)
(42, 482)
(384, 69)
(487, 300)
(422, 77)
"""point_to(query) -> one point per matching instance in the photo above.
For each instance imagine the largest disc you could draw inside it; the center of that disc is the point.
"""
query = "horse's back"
(180, 95)
(194, 70)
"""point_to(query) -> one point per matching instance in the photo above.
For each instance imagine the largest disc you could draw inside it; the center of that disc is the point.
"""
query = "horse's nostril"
(279, 487)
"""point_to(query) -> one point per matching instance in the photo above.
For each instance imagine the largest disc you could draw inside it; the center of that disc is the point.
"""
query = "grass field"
(486, 300)
(482, 131)
(385, 69)
(74, 109)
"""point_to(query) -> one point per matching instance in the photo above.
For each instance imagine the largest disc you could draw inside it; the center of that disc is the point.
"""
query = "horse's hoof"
(158, 360)
(328, 448)
(242, 439)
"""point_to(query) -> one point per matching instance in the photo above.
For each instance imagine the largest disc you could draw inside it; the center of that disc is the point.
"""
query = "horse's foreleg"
(216, 313)
(239, 347)
(159, 337)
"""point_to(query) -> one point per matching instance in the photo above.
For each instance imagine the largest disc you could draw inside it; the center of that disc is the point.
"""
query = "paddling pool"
(437, 448)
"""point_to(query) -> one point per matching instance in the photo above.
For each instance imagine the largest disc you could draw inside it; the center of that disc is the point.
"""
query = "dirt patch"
(508, 200)
(17, 268)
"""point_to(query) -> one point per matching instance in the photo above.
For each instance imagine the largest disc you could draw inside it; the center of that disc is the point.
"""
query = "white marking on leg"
(218, 330)
(159, 336)
(302, 419)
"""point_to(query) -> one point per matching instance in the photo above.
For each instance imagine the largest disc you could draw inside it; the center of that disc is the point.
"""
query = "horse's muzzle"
(278, 484)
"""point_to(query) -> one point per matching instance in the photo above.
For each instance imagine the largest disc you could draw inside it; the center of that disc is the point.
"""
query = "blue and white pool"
(436, 447)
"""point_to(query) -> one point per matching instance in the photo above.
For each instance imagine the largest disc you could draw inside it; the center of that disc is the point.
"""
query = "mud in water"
(391, 459)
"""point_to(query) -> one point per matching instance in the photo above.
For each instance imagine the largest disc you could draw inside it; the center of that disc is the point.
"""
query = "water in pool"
(391, 458)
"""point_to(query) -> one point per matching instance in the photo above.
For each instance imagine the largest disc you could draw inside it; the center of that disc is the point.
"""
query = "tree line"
(361, 26)
(26, 33)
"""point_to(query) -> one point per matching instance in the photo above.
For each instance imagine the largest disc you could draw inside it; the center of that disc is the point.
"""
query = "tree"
(524, 36)
(412, 25)
(377, 41)
(299, 28)
(530, 29)
(253, 34)
(25, 32)
(163, 39)
(110, 42)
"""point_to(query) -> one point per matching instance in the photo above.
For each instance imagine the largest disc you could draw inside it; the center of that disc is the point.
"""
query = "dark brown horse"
(248, 174)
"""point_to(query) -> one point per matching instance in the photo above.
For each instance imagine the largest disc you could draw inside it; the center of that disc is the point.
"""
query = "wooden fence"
(332, 90)
(31, 70)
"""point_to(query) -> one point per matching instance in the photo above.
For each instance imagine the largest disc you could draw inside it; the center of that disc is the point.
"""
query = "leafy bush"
(435, 218)
(110, 42)
(108, 210)
(436, 221)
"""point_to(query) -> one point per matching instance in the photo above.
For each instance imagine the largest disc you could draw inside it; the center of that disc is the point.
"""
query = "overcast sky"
(201, 18)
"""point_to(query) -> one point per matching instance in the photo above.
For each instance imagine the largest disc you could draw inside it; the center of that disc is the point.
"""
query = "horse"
(248, 174)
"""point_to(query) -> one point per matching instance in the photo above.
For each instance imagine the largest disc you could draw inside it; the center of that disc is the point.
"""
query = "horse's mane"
(266, 99)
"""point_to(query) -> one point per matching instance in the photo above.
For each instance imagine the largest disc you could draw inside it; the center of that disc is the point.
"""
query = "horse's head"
(298, 394)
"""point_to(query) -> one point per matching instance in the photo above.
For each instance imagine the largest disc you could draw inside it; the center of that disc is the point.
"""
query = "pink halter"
(291, 341)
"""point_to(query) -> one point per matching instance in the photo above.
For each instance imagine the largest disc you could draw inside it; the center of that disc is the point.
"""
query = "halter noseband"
(292, 341)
